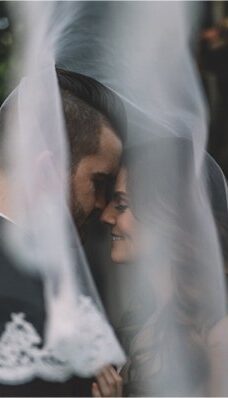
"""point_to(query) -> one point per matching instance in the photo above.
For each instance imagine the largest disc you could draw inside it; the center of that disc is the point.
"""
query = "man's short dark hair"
(87, 105)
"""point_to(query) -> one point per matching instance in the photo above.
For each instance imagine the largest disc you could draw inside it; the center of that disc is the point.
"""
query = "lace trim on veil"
(21, 359)
(22, 356)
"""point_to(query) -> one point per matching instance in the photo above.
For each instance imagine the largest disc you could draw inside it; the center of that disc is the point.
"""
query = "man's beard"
(79, 216)
(82, 221)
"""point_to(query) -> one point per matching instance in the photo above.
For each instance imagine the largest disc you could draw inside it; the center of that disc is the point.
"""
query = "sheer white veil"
(77, 336)
(171, 325)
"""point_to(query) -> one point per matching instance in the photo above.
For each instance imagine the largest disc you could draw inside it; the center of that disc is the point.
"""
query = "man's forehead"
(106, 163)
(109, 141)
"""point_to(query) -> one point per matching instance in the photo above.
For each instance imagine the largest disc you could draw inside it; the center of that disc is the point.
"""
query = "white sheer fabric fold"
(172, 323)
(177, 298)
(77, 336)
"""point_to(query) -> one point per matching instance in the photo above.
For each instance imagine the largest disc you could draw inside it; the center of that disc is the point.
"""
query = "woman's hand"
(108, 383)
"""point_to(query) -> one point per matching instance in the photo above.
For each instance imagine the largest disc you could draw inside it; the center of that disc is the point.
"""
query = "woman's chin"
(119, 258)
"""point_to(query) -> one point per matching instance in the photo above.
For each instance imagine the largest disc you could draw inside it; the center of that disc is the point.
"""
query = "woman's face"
(123, 224)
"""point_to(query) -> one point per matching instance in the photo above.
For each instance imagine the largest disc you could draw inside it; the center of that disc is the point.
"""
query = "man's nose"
(109, 215)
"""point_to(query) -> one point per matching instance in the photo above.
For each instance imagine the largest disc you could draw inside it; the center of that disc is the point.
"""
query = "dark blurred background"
(210, 52)
(212, 58)
(6, 42)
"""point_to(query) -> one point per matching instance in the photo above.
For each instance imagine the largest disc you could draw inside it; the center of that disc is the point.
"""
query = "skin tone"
(4, 196)
(218, 356)
(89, 186)
(92, 177)
(89, 181)
(122, 222)
(119, 217)
(108, 384)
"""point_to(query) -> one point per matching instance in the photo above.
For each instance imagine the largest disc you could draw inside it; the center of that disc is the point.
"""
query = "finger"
(95, 390)
(103, 385)
(108, 375)
(114, 380)
(114, 373)
(119, 382)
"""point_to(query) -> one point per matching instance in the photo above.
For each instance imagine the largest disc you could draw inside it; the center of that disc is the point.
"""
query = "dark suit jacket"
(23, 292)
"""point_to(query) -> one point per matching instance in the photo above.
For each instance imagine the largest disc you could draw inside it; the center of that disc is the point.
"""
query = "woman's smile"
(116, 237)
(119, 217)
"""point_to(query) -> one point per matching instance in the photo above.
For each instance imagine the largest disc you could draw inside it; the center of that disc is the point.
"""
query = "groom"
(96, 128)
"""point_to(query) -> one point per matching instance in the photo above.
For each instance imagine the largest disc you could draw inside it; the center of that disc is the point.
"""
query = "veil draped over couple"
(108, 124)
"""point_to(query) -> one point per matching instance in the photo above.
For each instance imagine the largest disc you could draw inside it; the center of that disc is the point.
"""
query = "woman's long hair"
(166, 198)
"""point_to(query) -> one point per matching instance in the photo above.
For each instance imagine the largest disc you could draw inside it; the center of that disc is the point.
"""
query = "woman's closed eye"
(121, 207)
(121, 203)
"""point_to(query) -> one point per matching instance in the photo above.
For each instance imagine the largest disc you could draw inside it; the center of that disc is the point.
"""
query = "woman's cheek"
(128, 224)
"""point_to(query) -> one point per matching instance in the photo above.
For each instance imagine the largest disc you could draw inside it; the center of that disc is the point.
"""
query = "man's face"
(92, 177)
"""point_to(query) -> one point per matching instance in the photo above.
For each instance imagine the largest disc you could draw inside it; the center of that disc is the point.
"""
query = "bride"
(174, 328)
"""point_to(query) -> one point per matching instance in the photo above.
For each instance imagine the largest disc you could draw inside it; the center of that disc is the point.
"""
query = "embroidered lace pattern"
(22, 356)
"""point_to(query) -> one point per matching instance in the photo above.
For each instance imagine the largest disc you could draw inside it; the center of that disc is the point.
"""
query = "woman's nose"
(109, 215)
